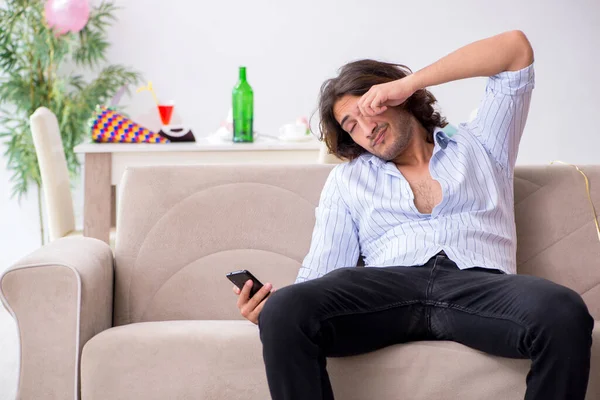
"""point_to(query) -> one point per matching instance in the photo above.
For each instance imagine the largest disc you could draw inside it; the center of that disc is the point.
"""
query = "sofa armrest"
(60, 296)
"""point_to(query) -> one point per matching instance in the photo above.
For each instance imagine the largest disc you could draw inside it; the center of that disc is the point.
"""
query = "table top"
(202, 144)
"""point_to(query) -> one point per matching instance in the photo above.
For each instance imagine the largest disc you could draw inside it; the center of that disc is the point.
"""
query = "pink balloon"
(67, 15)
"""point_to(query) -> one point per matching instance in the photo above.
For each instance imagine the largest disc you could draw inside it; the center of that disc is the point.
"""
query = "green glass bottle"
(243, 109)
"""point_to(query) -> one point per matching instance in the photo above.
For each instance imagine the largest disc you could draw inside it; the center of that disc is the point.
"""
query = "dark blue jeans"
(352, 311)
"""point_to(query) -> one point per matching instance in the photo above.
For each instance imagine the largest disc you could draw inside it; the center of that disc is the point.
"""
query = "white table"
(105, 163)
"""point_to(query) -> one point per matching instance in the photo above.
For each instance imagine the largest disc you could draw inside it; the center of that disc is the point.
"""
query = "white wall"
(191, 51)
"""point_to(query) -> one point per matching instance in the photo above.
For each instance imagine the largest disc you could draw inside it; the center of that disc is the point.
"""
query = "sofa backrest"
(180, 229)
(556, 233)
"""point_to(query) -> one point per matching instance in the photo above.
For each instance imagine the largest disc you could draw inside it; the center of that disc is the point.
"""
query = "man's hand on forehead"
(385, 95)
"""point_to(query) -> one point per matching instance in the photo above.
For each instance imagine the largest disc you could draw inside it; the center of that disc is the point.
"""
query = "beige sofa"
(159, 320)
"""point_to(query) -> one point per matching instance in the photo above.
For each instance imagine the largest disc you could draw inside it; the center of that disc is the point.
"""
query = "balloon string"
(587, 187)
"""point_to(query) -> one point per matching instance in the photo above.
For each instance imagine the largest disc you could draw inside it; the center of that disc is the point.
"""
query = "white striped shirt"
(367, 206)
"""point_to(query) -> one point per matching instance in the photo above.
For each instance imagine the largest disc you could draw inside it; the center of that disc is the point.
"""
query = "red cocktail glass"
(166, 111)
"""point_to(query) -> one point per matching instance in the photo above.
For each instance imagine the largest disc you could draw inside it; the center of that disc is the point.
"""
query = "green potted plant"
(35, 61)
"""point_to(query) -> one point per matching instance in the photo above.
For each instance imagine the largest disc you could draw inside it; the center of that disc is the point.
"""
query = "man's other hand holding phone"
(250, 307)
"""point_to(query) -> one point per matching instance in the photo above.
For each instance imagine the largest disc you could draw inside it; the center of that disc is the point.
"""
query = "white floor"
(9, 352)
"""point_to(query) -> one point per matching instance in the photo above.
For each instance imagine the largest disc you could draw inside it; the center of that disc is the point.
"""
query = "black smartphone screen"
(239, 278)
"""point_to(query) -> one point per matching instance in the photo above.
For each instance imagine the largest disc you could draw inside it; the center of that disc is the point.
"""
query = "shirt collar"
(440, 137)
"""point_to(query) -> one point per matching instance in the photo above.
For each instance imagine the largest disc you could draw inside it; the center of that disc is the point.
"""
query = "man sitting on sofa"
(435, 216)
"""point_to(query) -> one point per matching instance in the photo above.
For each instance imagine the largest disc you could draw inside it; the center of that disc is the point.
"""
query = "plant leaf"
(33, 74)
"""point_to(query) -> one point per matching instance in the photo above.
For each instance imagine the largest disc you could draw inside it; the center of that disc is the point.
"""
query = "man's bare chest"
(427, 191)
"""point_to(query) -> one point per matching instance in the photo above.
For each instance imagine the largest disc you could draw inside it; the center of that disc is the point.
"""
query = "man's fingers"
(372, 104)
(365, 101)
(259, 296)
(244, 294)
(253, 316)
(362, 99)
(236, 290)
(377, 104)
(379, 109)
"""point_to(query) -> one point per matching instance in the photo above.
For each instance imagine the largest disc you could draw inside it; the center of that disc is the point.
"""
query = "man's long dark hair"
(356, 78)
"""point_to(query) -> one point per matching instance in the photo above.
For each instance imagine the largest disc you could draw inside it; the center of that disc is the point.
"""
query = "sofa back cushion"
(556, 233)
(180, 229)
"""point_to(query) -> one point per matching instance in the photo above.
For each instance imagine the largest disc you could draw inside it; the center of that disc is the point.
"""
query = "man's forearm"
(508, 51)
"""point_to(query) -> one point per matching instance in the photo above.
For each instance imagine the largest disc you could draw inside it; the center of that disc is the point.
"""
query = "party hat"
(108, 126)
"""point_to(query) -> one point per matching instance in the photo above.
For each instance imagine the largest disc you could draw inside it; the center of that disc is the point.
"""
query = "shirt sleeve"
(502, 114)
(334, 242)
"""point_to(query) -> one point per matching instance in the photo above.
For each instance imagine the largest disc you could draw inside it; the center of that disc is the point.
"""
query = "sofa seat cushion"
(223, 360)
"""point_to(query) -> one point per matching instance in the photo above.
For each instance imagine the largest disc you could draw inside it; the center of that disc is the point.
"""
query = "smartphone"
(239, 278)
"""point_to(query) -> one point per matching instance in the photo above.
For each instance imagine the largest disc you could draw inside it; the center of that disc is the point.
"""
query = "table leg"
(97, 196)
